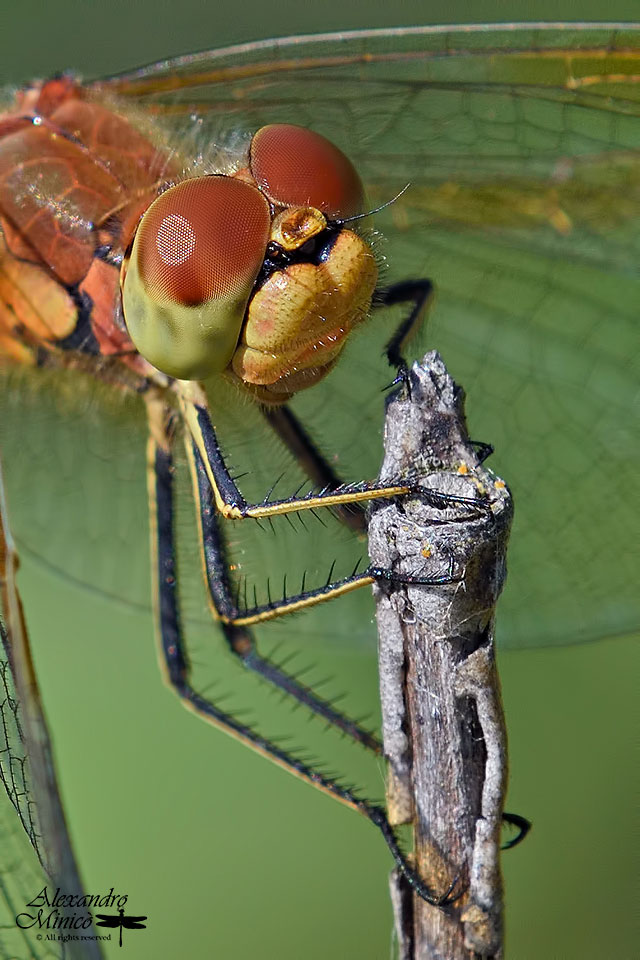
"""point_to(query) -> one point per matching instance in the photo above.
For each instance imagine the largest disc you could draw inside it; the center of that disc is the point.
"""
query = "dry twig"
(443, 725)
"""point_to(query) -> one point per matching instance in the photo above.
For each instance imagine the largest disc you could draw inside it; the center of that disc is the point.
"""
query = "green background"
(226, 854)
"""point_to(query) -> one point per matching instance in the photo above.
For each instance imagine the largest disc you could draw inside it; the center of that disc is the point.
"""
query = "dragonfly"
(121, 920)
(519, 146)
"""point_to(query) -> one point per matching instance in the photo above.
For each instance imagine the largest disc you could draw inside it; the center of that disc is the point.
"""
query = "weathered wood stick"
(443, 725)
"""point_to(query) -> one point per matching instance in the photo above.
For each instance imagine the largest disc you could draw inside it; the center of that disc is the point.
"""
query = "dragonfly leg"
(226, 602)
(419, 294)
(521, 823)
(286, 425)
(229, 500)
(294, 603)
(239, 639)
(176, 667)
(242, 644)
(227, 608)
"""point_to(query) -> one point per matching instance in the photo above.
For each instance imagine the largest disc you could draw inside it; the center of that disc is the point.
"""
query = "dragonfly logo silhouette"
(110, 920)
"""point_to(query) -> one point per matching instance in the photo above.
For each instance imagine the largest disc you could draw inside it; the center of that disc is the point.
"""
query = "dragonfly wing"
(520, 146)
(26, 761)
(94, 492)
(22, 876)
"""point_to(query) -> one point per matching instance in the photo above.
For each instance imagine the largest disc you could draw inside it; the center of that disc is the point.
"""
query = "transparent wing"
(40, 860)
(521, 149)
(521, 146)
(22, 876)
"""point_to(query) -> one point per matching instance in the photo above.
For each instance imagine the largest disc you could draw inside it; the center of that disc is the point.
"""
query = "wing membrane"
(520, 145)
(521, 148)
(21, 872)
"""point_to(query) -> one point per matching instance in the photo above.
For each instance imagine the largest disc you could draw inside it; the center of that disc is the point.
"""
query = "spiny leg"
(175, 661)
(287, 426)
(418, 293)
(229, 501)
(292, 432)
(242, 644)
(239, 639)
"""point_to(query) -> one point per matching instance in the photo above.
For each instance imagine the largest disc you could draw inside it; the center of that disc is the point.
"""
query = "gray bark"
(443, 725)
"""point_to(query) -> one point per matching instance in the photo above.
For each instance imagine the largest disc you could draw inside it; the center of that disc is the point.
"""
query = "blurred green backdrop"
(317, 890)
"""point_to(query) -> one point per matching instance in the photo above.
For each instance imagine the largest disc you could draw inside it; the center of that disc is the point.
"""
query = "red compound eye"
(204, 238)
(297, 167)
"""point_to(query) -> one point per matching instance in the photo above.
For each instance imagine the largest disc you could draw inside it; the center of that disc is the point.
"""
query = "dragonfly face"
(522, 209)
(189, 290)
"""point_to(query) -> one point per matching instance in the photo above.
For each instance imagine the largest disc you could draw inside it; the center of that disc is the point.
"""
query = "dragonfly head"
(253, 274)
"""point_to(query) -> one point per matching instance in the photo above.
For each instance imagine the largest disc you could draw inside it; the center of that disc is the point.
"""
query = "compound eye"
(195, 258)
(201, 239)
(294, 166)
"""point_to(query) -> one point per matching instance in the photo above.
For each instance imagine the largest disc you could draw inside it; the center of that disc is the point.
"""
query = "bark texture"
(443, 724)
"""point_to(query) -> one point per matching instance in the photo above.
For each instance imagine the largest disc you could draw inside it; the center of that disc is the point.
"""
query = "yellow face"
(254, 274)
